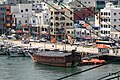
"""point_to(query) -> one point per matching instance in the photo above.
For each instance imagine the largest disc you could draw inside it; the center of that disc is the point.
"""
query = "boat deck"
(53, 53)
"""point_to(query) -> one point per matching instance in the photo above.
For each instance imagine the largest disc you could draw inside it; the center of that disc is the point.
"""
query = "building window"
(45, 29)
(101, 26)
(114, 26)
(22, 11)
(26, 10)
(101, 31)
(56, 24)
(19, 22)
(104, 26)
(101, 20)
(77, 33)
(51, 17)
(51, 29)
(70, 12)
(62, 18)
(114, 13)
(70, 24)
(42, 29)
(33, 21)
(68, 32)
(25, 21)
(51, 24)
(56, 13)
(67, 24)
(56, 18)
(62, 13)
(104, 13)
(114, 20)
(89, 2)
(101, 13)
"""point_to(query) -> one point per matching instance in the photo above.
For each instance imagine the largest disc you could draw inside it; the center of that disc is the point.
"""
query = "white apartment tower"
(110, 20)
(22, 13)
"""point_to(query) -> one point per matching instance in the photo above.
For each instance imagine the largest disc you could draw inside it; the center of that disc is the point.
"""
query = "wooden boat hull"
(61, 61)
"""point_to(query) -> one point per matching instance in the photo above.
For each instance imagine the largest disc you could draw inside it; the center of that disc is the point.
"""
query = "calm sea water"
(22, 68)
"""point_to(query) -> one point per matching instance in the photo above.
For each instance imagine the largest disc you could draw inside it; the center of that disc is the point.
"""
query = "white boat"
(16, 51)
(28, 49)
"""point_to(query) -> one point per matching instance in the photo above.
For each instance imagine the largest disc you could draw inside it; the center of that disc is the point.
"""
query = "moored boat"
(56, 58)
(26, 50)
(16, 51)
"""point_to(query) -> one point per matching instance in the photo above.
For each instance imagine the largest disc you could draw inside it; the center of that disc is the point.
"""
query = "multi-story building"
(13, 2)
(115, 2)
(87, 3)
(83, 14)
(99, 4)
(40, 22)
(109, 20)
(21, 14)
(2, 17)
(81, 32)
(60, 24)
(8, 17)
(38, 5)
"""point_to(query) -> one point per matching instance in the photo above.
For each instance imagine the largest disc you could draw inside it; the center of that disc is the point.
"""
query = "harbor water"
(23, 68)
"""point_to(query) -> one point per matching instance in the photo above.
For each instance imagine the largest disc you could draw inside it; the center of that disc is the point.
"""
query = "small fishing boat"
(28, 49)
(92, 61)
(16, 51)
(56, 58)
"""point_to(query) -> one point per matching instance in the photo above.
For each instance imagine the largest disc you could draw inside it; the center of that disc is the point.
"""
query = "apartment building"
(60, 24)
(87, 3)
(2, 17)
(21, 14)
(38, 5)
(40, 22)
(13, 2)
(110, 20)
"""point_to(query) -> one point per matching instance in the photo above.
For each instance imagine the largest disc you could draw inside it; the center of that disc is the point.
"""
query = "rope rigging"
(83, 20)
(79, 72)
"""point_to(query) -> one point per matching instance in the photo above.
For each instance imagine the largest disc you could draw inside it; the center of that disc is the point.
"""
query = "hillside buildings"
(109, 21)
(43, 19)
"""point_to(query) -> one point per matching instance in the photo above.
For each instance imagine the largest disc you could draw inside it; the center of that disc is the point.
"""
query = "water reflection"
(55, 71)
(25, 69)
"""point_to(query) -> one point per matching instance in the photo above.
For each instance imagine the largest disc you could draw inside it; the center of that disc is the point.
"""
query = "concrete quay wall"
(57, 46)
